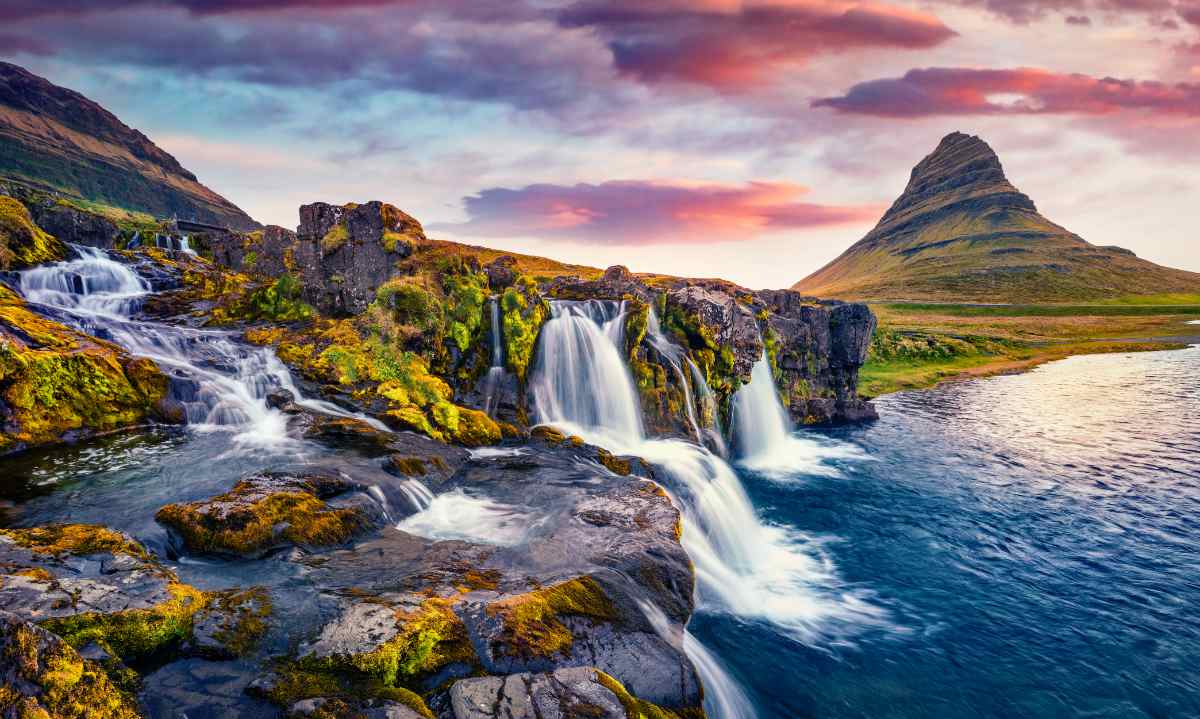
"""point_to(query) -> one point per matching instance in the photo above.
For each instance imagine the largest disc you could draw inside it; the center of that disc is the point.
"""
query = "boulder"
(267, 511)
(567, 692)
(76, 227)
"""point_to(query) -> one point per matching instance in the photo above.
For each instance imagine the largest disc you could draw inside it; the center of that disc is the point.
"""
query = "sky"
(747, 139)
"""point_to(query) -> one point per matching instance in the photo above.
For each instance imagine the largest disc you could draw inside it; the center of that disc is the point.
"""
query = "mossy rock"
(43, 677)
(265, 512)
(532, 623)
(22, 243)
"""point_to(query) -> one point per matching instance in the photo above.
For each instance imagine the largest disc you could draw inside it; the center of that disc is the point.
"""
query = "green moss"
(22, 243)
(51, 680)
(337, 236)
(524, 313)
(246, 522)
(295, 681)
(430, 638)
(615, 464)
(249, 260)
(465, 297)
(278, 302)
(532, 625)
(135, 633)
(636, 318)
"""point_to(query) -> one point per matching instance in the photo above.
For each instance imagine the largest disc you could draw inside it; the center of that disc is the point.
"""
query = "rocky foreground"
(582, 615)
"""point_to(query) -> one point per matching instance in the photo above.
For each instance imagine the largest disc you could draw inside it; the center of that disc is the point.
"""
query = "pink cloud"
(635, 212)
(738, 44)
(965, 91)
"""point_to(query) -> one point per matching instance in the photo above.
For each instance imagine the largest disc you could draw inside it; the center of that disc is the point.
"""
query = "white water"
(458, 515)
(766, 443)
(743, 566)
(496, 374)
(221, 383)
(675, 358)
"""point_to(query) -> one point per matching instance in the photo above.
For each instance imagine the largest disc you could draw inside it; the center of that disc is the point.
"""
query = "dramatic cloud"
(18, 9)
(963, 91)
(648, 213)
(738, 44)
(1026, 11)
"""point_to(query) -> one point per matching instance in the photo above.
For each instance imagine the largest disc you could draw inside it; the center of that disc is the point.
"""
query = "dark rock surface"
(76, 227)
(568, 692)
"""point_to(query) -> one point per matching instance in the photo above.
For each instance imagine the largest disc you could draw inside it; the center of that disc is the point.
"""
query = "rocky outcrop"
(22, 243)
(571, 692)
(60, 140)
(961, 231)
(57, 384)
(76, 227)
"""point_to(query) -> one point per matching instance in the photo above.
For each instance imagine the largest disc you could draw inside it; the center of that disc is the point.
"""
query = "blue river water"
(1032, 544)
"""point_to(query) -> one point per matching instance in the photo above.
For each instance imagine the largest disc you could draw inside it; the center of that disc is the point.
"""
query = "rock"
(76, 227)
(501, 272)
(280, 398)
(616, 283)
(22, 243)
(272, 510)
(90, 583)
(366, 709)
(568, 692)
(230, 624)
(345, 432)
(42, 676)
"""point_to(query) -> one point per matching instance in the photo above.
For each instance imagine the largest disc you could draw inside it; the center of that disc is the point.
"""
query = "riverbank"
(921, 345)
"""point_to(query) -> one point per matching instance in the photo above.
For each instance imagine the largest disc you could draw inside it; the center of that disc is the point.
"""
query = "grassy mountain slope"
(54, 138)
(962, 232)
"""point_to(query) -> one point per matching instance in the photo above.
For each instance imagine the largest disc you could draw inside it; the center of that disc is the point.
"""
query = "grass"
(920, 345)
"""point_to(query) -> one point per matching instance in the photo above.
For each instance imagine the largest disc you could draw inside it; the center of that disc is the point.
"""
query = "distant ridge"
(962, 232)
(55, 138)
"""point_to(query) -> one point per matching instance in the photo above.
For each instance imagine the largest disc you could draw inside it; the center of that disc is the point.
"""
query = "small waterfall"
(743, 566)
(765, 437)
(761, 426)
(221, 383)
(493, 382)
(675, 357)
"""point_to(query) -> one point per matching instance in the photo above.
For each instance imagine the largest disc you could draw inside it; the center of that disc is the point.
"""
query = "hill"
(961, 232)
(56, 139)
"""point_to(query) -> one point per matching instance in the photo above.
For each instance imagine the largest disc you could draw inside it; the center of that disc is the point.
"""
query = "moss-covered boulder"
(22, 243)
(271, 510)
(93, 585)
(231, 623)
(43, 677)
(58, 384)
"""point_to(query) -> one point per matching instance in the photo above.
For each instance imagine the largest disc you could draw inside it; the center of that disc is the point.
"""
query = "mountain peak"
(961, 231)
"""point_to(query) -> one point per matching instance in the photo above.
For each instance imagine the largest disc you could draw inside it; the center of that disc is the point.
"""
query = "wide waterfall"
(221, 383)
(581, 384)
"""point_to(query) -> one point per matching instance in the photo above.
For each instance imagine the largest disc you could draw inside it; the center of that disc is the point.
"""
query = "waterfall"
(743, 566)
(221, 383)
(675, 357)
(493, 382)
(764, 434)
(581, 377)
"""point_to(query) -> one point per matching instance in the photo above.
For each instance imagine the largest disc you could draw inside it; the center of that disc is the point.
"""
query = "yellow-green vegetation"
(75, 539)
(277, 302)
(715, 361)
(637, 316)
(127, 221)
(244, 614)
(615, 464)
(134, 633)
(51, 680)
(638, 709)
(55, 380)
(431, 637)
(248, 520)
(22, 243)
(523, 312)
(466, 294)
(296, 681)
(532, 622)
(920, 344)
(337, 236)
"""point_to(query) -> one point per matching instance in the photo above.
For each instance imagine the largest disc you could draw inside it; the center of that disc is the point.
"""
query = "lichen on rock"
(22, 243)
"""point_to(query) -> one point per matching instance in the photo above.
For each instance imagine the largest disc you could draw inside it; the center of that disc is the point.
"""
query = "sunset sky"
(751, 140)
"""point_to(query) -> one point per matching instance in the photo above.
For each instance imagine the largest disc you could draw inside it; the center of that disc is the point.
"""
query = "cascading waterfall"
(494, 380)
(743, 566)
(221, 383)
(766, 443)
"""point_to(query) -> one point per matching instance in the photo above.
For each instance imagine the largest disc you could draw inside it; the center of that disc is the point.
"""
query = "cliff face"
(962, 232)
(372, 266)
(57, 139)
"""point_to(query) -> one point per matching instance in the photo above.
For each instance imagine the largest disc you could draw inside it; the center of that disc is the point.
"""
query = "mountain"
(54, 138)
(962, 232)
